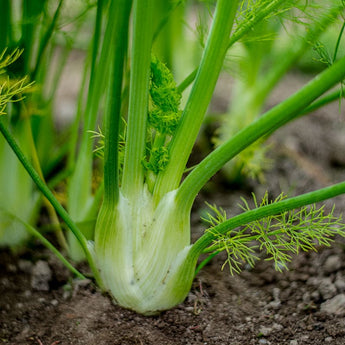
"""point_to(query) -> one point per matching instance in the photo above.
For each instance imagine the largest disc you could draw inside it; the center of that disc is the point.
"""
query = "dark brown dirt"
(259, 306)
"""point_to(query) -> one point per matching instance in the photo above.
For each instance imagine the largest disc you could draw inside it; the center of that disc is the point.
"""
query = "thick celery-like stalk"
(200, 97)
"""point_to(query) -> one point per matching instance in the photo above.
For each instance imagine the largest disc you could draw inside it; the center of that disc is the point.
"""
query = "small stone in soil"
(315, 295)
(27, 293)
(327, 289)
(332, 264)
(25, 266)
(340, 283)
(41, 275)
(54, 302)
(11, 268)
(336, 305)
(265, 331)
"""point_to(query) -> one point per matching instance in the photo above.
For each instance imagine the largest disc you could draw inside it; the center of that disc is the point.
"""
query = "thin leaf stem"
(338, 41)
(295, 51)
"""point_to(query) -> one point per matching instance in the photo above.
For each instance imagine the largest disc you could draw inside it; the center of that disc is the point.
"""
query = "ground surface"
(40, 304)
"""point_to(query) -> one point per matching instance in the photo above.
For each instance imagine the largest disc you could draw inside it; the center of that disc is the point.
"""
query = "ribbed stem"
(200, 97)
(133, 174)
(113, 110)
(79, 190)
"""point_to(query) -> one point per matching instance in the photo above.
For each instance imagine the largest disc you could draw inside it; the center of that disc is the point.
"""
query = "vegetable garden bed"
(120, 227)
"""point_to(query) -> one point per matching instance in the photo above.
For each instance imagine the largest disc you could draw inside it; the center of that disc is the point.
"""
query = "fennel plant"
(141, 252)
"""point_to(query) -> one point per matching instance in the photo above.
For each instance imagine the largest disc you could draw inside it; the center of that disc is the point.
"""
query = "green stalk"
(133, 174)
(265, 211)
(79, 193)
(92, 83)
(187, 81)
(80, 198)
(267, 123)
(50, 196)
(113, 110)
(200, 97)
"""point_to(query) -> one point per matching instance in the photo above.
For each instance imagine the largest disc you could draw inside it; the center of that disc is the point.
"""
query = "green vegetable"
(141, 253)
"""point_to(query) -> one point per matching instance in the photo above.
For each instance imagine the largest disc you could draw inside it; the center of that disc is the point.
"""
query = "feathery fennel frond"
(11, 90)
(163, 116)
(324, 56)
(279, 237)
(217, 216)
(289, 12)
(99, 147)
(8, 59)
(164, 122)
(249, 9)
(164, 113)
(163, 89)
(159, 158)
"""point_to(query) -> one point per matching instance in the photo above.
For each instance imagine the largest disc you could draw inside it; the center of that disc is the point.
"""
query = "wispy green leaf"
(279, 236)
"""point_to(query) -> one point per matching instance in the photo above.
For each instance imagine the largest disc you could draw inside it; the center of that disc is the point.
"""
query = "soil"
(41, 304)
